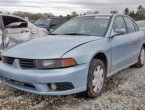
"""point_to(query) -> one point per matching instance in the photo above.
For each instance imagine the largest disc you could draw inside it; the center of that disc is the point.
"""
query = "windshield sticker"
(102, 17)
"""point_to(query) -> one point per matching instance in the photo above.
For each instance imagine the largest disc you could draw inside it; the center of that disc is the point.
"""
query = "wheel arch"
(103, 57)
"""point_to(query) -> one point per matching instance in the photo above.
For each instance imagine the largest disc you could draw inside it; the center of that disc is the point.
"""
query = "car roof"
(109, 15)
(98, 15)
(105, 15)
(1, 14)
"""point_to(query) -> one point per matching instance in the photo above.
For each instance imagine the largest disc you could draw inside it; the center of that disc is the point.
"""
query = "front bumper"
(40, 79)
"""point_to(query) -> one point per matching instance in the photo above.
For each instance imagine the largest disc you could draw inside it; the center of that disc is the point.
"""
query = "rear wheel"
(96, 78)
(141, 59)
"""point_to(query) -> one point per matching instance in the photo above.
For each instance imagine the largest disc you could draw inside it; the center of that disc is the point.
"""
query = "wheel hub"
(98, 79)
(142, 56)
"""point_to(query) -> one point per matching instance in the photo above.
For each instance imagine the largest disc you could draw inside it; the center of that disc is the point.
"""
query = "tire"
(96, 89)
(141, 58)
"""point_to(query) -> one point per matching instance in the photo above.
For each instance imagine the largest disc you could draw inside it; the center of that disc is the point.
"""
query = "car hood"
(47, 48)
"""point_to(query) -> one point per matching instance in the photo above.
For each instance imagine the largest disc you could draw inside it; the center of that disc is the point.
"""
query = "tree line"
(139, 14)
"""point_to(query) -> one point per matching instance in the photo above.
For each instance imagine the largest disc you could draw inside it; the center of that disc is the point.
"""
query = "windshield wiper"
(70, 34)
(75, 34)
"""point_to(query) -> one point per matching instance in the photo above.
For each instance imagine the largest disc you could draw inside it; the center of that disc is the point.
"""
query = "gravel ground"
(124, 91)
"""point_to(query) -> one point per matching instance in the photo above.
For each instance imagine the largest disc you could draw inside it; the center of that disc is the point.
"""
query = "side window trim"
(132, 23)
(135, 25)
(125, 25)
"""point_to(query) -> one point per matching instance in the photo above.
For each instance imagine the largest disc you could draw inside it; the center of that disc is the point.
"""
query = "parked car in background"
(77, 57)
(50, 22)
(32, 21)
(14, 30)
(141, 24)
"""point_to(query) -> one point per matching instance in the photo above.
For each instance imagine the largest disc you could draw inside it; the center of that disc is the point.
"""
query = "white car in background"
(141, 24)
(14, 30)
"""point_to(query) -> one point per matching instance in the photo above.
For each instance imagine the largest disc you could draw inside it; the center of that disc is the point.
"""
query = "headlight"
(57, 63)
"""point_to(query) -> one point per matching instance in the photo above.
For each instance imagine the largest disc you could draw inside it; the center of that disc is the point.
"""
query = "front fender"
(85, 53)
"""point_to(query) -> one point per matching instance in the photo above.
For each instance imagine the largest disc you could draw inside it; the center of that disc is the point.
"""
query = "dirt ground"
(123, 91)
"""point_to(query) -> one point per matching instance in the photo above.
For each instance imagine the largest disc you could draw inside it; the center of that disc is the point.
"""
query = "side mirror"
(16, 24)
(118, 32)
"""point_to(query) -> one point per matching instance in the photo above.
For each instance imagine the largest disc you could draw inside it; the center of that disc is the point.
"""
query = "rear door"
(121, 48)
(136, 37)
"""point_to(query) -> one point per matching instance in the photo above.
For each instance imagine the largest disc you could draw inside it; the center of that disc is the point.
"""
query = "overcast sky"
(63, 7)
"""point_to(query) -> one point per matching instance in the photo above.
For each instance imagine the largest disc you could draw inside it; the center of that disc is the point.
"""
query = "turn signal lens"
(56, 63)
(68, 62)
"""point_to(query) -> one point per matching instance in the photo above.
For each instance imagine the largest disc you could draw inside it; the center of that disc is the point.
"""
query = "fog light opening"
(53, 86)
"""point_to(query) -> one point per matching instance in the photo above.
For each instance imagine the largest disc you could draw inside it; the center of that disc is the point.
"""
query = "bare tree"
(126, 11)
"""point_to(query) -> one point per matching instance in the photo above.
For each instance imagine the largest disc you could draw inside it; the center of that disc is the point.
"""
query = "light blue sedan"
(76, 57)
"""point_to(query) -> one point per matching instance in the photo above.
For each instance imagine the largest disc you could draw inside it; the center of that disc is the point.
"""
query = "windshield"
(44, 22)
(88, 25)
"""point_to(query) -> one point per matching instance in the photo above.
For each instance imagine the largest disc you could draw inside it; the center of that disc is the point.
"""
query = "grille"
(8, 60)
(24, 63)
(27, 63)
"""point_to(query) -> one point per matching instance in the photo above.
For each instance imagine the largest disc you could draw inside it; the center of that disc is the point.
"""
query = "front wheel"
(96, 78)
(141, 59)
